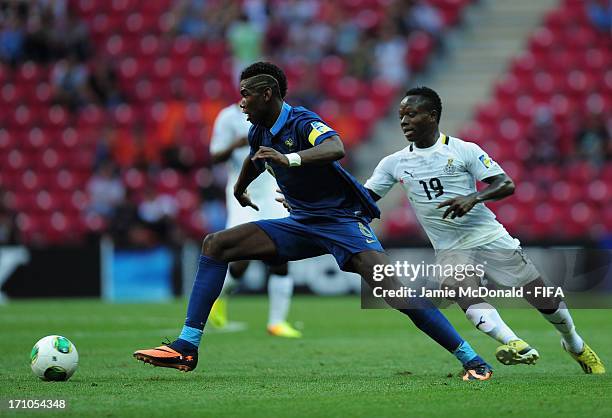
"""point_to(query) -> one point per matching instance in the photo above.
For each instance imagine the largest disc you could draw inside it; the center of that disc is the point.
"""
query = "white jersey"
(231, 125)
(432, 175)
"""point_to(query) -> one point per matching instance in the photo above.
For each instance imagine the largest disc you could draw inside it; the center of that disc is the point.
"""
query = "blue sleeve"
(254, 141)
(313, 130)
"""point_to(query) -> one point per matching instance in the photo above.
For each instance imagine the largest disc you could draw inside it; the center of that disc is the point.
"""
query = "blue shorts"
(341, 237)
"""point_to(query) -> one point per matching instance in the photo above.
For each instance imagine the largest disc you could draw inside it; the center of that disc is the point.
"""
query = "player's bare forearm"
(223, 156)
(330, 150)
(248, 173)
(499, 187)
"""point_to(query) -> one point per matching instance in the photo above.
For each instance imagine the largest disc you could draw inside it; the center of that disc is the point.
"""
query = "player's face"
(252, 102)
(416, 120)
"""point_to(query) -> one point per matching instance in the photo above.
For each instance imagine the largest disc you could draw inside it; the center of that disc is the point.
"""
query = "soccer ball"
(54, 358)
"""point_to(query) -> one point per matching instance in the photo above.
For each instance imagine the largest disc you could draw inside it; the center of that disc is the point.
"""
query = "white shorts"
(269, 209)
(503, 262)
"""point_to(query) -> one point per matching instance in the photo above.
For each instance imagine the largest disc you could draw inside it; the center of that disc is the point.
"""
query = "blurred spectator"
(129, 148)
(40, 42)
(125, 226)
(158, 212)
(72, 36)
(103, 84)
(245, 40)
(104, 144)
(69, 82)
(41, 30)
(187, 18)
(418, 15)
(256, 11)
(105, 189)
(543, 137)
(11, 39)
(347, 33)
(594, 139)
(600, 13)
(8, 223)
(390, 55)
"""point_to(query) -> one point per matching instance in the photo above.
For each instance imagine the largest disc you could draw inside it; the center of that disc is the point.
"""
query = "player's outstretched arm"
(248, 173)
(500, 186)
(329, 150)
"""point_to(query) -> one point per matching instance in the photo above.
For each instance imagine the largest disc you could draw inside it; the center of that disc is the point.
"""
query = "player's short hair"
(269, 69)
(433, 100)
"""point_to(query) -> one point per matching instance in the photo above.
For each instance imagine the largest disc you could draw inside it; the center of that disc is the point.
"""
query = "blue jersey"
(317, 190)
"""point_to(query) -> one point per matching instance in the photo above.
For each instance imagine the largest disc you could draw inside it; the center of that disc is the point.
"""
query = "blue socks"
(206, 289)
(465, 353)
(430, 320)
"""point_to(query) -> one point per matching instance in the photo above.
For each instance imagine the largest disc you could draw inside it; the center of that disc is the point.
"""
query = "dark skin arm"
(248, 173)
(500, 186)
(329, 150)
(223, 156)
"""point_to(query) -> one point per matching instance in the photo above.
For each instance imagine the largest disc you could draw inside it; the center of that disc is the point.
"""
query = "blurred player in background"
(229, 144)
(439, 175)
(330, 214)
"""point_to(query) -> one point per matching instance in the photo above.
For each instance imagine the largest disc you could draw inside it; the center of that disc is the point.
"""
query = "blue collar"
(282, 118)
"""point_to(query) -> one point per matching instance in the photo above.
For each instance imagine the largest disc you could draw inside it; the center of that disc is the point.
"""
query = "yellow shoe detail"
(516, 352)
(284, 329)
(218, 313)
(588, 360)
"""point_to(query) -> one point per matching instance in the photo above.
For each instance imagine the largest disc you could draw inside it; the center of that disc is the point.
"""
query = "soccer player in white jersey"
(439, 174)
(229, 144)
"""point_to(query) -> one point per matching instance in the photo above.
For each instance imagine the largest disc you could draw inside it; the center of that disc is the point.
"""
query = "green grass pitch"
(351, 363)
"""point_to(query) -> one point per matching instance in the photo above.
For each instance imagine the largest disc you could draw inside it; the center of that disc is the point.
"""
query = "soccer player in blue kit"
(330, 213)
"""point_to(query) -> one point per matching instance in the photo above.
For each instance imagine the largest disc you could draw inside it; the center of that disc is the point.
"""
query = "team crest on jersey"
(365, 231)
(290, 143)
(485, 160)
(450, 168)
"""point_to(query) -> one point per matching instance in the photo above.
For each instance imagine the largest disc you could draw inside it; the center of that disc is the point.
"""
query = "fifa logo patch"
(485, 160)
(450, 167)
(289, 143)
(321, 127)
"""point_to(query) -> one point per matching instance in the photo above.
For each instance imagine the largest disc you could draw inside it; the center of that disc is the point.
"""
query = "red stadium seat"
(7, 141)
(563, 191)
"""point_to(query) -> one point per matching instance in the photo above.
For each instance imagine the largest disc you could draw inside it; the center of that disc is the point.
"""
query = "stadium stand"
(135, 83)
